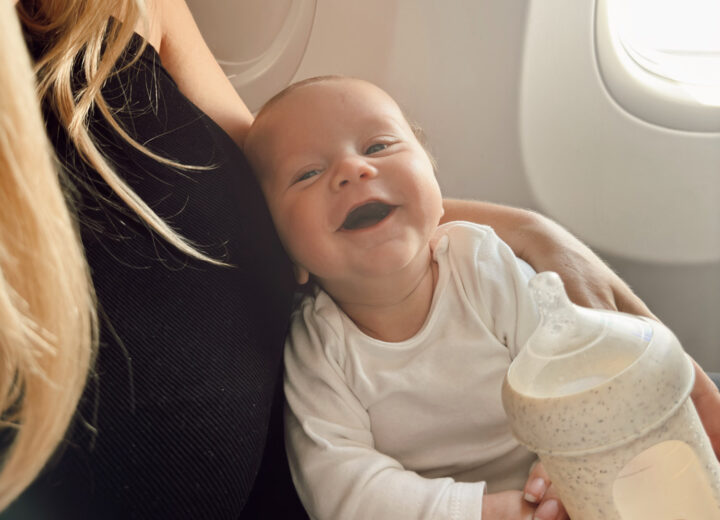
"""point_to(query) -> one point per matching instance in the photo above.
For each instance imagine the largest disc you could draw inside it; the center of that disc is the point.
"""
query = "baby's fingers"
(550, 507)
(537, 484)
(538, 490)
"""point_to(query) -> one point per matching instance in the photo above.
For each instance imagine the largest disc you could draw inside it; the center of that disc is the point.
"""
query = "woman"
(193, 289)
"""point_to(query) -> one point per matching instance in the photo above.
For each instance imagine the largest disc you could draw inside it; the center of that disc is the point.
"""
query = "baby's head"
(351, 189)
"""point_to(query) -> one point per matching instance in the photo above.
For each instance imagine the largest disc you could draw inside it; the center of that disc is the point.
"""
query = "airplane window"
(660, 60)
(674, 39)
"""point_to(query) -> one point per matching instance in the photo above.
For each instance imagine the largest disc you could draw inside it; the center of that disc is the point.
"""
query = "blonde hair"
(84, 31)
(47, 310)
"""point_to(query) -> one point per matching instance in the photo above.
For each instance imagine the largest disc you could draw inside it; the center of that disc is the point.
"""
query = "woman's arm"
(188, 59)
(547, 246)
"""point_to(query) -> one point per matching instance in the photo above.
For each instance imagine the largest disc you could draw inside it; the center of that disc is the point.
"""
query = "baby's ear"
(302, 276)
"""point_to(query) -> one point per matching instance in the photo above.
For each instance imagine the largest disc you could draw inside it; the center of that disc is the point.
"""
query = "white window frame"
(641, 90)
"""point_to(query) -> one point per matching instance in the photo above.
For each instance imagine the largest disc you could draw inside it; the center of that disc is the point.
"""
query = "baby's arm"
(335, 466)
(509, 505)
(497, 284)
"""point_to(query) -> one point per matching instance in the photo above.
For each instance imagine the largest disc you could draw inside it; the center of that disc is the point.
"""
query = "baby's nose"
(353, 170)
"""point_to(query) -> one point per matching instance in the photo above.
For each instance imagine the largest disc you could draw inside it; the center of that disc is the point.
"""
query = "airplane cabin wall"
(456, 68)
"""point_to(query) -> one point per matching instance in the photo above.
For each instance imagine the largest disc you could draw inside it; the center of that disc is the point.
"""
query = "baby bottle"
(603, 399)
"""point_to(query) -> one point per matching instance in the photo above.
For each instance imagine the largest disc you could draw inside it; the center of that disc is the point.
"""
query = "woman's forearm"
(547, 246)
(511, 224)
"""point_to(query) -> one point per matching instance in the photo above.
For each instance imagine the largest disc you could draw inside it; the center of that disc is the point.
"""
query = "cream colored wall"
(455, 66)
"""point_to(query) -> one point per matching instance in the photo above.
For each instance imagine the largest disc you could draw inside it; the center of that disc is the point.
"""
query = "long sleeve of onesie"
(333, 450)
(332, 438)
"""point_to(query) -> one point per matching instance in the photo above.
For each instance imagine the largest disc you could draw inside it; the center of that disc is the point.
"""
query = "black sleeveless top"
(174, 421)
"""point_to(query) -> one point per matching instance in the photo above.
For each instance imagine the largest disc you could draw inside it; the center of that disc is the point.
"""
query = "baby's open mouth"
(366, 215)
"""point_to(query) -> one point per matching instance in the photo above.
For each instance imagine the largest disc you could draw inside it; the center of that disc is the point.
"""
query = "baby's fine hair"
(414, 126)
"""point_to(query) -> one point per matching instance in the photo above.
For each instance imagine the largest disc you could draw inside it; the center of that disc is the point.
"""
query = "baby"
(394, 365)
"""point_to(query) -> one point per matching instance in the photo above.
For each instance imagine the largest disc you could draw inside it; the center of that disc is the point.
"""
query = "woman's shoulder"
(150, 29)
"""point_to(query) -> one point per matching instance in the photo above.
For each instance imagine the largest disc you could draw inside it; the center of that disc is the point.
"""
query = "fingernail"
(548, 510)
(535, 490)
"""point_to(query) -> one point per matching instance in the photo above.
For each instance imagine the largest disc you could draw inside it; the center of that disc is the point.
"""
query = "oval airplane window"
(595, 161)
(660, 60)
(675, 40)
(259, 44)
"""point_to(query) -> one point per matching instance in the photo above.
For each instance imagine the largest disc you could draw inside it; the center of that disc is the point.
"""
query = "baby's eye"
(305, 176)
(374, 148)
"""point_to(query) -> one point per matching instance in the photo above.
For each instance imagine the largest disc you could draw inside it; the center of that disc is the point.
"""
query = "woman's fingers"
(627, 301)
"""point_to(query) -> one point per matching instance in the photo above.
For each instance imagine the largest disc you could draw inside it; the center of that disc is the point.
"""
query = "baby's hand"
(539, 491)
(507, 505)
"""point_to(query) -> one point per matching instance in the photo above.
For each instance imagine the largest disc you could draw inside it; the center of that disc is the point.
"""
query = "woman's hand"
(589, 282)
(706, 398)
(547, 246)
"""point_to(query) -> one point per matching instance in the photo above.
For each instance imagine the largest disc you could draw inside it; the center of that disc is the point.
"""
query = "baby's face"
(352, 192)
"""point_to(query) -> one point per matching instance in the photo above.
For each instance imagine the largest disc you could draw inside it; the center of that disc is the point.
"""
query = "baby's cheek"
(298, 236)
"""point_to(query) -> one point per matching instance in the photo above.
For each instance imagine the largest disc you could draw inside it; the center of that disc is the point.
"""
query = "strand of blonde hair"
(48, 325)
(84, 30)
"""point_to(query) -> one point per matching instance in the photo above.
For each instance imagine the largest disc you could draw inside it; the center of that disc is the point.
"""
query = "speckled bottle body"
(603, 398)
(585, 481)
(590, 412)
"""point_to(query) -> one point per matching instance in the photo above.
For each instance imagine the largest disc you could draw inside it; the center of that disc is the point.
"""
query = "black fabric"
(174, 421)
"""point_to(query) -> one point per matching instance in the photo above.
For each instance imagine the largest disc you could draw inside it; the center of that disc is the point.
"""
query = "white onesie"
(414, 429)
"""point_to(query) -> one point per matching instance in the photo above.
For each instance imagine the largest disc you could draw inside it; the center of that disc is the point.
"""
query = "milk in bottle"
(603, 399)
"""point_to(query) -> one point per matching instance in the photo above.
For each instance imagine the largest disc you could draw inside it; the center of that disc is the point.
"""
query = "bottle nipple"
(564, 327)
(556, 310)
